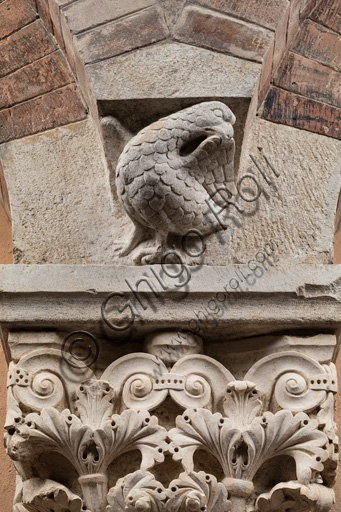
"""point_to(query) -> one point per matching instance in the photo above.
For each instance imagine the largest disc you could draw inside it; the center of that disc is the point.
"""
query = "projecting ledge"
(222, 302)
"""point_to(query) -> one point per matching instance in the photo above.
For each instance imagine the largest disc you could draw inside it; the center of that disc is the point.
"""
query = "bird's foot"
(156, 255)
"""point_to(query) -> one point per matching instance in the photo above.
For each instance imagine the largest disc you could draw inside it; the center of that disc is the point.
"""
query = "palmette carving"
(283, 408)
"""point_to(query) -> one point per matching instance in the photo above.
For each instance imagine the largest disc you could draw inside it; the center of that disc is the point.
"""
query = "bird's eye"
(218, 113)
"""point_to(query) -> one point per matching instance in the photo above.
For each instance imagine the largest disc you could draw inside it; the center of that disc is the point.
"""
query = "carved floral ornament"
(282, 409)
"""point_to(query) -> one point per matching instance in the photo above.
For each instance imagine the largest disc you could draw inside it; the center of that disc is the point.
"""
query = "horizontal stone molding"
(66, 297)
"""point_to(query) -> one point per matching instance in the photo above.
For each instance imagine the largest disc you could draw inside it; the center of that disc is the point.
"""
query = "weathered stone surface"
(308, 78)
(83, 15)
(172, 9)
(297, 209)
(15, 14)
(212, 30)
(327, 13)
(291, 109)
(320, 44)
(60, 198)
(267, 13)
(174, 71)
(70, 297)
(121, 36)
(281, 403)
(25, 46)
(56, 108)
(40, 77)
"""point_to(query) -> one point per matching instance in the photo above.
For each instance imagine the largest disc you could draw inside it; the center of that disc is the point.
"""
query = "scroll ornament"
(282, 408)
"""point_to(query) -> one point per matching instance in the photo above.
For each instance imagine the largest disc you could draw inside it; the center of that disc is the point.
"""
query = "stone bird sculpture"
(169, 170)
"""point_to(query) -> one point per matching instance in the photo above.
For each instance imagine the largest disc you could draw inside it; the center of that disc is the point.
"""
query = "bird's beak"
(221, 134)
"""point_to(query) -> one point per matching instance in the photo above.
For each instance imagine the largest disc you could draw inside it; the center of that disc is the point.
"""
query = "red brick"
(44, 13)
(15, 14)
(266, 13)
(328, 13)
(266, 73)
(6, 126)
(4, 199)
(40, 77)
(308, 78)
(57, 108)
(218, 32)
(290, 109)
(114, 38)
(299, 10)
(85, 14)
(25, 46)
(319, 43)
(281, 38)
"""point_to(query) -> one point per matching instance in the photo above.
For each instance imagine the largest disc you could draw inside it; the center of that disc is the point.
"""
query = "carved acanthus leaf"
(196, 492)
(241, 452)
(138, 492)
(295, 497)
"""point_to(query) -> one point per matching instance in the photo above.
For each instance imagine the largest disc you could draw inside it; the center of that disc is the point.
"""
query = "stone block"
(175, 70)
(297, 208)
(15, 14)
(121, 36)
(320, 44)
(221, 33)
(60, 197)
(83, 15)
(25, 46)
(40, 77)
(309, 78)
(284, 107)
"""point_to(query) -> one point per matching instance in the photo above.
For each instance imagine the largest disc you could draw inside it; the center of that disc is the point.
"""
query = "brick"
(319, 43)
(6, 126)
(15, 14)
(308, 78)
(281, 38)
(290, 109)
(218, 32)
(121, 36)
(328, 13)
(44, 13)
(266, 74)
(42, 76)
(25, 46)
(299, 10)
(57, 108)
(266, 13)
(307, 6)
(85, 14)
(4, 199)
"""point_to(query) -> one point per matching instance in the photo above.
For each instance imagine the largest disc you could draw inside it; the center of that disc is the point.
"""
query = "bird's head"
(207, 123)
